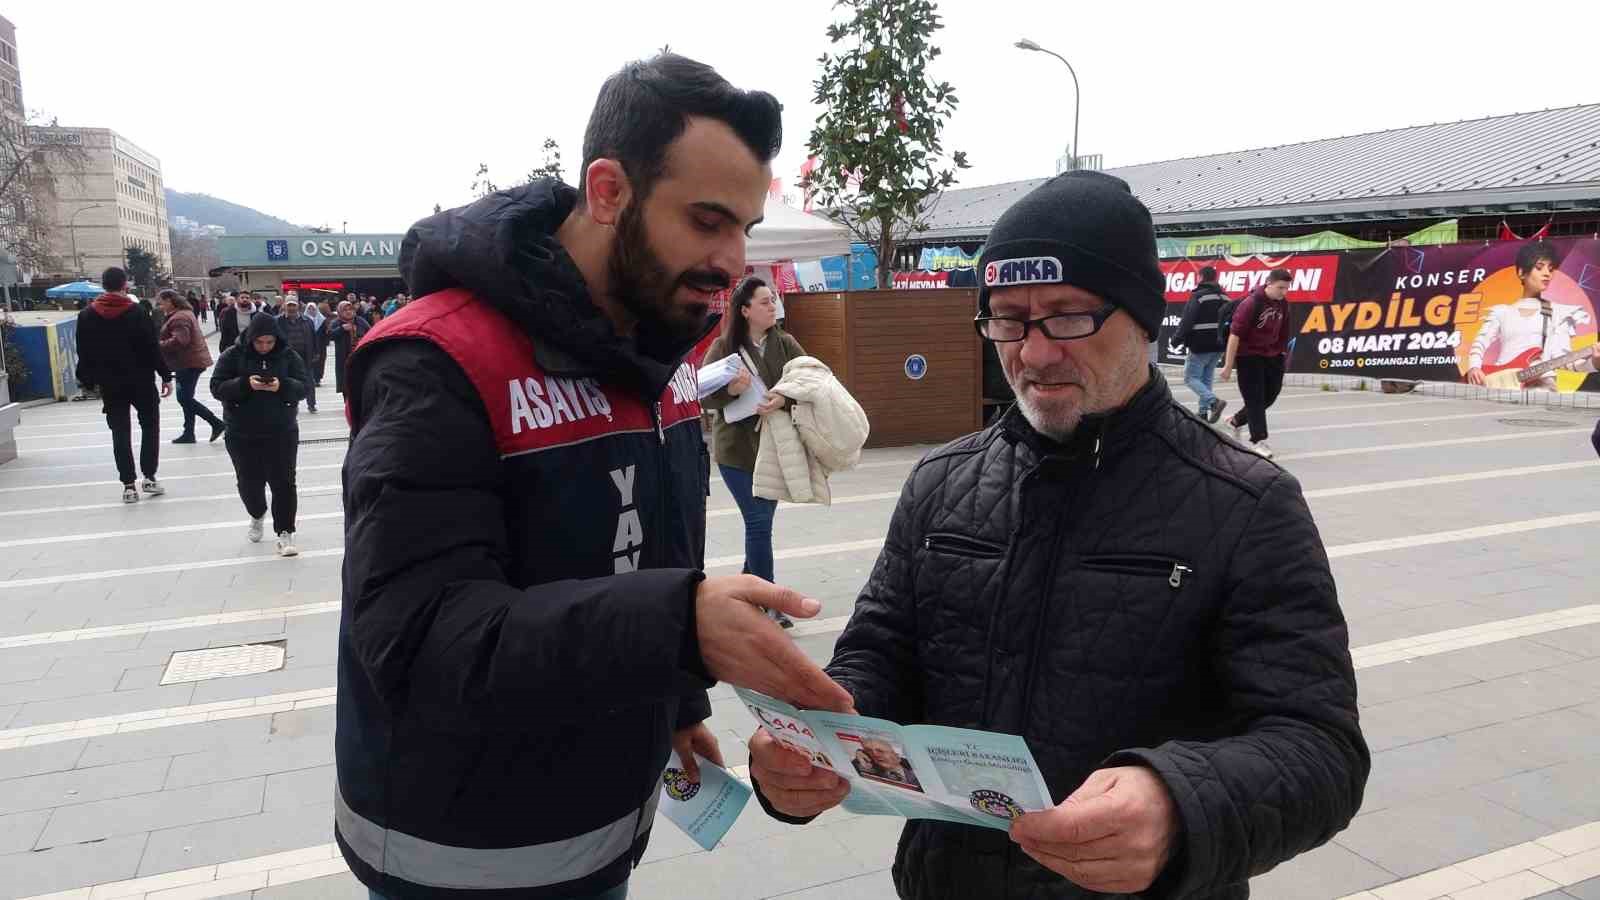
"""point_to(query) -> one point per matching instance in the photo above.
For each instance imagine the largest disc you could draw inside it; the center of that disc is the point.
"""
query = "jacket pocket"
(962, 545)
(1175, 571)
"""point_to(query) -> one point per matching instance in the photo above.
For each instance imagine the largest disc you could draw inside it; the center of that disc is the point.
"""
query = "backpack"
(1225, 321)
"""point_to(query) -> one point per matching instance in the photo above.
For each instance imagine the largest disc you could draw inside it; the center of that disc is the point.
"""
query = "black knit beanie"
(1082, 228)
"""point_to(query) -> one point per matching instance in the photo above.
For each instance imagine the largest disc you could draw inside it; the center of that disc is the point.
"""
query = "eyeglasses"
(1059, 327)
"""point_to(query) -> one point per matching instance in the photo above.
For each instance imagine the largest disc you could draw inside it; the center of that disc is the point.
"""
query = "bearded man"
(526, 629)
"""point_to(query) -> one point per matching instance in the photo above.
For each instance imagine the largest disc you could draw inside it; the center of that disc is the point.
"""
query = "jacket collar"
(1097, 433)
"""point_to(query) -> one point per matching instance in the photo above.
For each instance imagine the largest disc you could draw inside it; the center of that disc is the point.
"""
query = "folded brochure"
(706, 809)
(915, 771)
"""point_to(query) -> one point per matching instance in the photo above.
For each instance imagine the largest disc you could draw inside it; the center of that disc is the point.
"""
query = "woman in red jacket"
(184, 349)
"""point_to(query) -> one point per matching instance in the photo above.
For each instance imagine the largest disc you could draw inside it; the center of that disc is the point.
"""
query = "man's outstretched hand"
(741, 645)
(1114, 835)
(790, 782)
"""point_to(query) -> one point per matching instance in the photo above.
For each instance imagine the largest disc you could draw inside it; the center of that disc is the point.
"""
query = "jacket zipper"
(961, 545)
(1136, 564)
(655, 414)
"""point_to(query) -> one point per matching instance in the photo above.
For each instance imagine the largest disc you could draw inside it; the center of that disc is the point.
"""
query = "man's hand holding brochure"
(886, 769)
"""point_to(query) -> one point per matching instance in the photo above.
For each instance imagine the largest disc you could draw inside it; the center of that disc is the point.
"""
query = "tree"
(483, 185)
(879, 163)
(551, 167)
(34, 159)
(144, 269)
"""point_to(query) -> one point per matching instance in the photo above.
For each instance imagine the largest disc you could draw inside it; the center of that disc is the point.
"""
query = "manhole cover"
(223, 662)
(1537, 423)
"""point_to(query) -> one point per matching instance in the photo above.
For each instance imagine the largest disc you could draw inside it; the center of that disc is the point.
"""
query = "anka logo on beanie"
(1082, 228)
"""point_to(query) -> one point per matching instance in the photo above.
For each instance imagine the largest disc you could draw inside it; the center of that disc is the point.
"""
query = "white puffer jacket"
(820, 431)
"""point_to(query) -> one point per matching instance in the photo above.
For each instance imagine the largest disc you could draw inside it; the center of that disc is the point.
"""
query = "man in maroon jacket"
(1258, 341)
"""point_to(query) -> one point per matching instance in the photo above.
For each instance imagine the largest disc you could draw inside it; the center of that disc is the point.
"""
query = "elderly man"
(1142, 599)
(300, 335)
(343, 331)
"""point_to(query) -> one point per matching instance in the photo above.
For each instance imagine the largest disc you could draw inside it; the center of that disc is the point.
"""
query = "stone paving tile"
(871, 886)
(1492, 661)
(1406, 679)
(175, 740)
(271, 757)
(870, 839)
(1423, 835)
(1585, 890)
(1525, 694)
(148, 812)
(1583, 640)
(1331, 870)
(303, 787)
(19, 831)
(242, 838)
(303, 722)
(1415, 771)
(41, 759)
(15, 670)
(1534, 742)
(141, 678)
(81, 785)
(1562, 796)
(804, 858)
(60, 687)
(71, 866)
(333, 887)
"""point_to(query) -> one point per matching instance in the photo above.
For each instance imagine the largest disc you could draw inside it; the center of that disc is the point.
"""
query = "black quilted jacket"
(1151, 594)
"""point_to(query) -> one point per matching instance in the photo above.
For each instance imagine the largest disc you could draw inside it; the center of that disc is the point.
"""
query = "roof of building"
(1513, 163)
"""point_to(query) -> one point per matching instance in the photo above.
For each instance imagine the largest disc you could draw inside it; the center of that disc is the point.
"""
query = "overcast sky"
(369, 113)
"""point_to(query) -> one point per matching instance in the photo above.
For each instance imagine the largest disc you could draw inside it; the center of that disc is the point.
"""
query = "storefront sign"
(310, 250)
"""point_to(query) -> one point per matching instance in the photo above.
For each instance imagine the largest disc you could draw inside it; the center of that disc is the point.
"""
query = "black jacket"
(1190, 625)
(228, 326)
(519, 577)
(247, 410)
(300, 334)
(117, 347)
(1197, 330)
(333, 333)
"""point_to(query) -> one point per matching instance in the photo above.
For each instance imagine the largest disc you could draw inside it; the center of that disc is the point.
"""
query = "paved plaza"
(1462, 533)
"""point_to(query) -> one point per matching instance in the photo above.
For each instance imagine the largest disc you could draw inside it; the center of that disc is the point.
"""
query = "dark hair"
(1535, 252)
(1208, 273)
(1279, 275)
(738, 325)
(173, 297)
(113, 279)
(642, 109)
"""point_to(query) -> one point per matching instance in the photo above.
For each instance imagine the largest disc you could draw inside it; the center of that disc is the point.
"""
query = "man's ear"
(607, 191)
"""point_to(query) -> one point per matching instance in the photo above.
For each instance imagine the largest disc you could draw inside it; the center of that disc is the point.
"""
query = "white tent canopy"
(789, 234)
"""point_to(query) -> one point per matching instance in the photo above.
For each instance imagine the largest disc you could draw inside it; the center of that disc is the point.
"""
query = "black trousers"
(262, 461)
(187, 379)
(1260, 381)
(321, 365)
(116, 403)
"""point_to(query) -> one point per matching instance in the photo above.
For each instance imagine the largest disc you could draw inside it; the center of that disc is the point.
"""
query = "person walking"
(753, 334)
(260, 382)
(344, 331)
(232, 320)
(1197, 331)
(118, 357)
(184, 350)
(1258, 342)
(301, 336)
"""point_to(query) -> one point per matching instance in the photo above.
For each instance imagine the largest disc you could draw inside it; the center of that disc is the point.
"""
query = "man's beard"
(1058, 420)
(641, 283)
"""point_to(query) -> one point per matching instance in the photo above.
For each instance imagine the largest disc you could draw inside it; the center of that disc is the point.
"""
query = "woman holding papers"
(752, 334)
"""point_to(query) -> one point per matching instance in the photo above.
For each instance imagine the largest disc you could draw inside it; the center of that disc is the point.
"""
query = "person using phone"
(260, 382)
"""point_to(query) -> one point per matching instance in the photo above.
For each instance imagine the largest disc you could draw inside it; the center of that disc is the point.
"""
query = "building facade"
(10, 73)
(118, 201)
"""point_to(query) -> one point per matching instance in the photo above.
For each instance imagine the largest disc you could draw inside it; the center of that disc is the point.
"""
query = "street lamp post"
(72, 230)
(1026, 44)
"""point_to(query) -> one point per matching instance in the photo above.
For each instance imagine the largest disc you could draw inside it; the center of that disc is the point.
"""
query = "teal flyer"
(706, 809)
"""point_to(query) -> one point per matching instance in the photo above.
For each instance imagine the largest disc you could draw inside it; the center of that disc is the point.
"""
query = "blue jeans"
(620, 892)
(187, 379)
(757, 513)
(1199, 370)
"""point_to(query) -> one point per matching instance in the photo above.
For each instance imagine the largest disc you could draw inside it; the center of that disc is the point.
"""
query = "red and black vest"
(599, 479)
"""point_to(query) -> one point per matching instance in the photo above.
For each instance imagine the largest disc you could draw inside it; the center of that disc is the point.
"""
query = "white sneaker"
(257, 528)
(153, 487)
(1260, 448)
(130, 493)
(286, 545)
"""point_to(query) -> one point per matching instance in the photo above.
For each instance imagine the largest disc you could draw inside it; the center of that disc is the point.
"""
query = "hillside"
(209, 210)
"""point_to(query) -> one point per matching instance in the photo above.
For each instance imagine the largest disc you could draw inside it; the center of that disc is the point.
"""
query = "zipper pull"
(660, 432)
(1178, 571)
